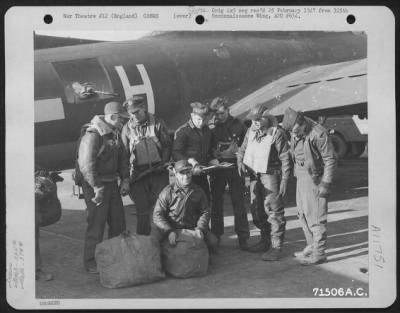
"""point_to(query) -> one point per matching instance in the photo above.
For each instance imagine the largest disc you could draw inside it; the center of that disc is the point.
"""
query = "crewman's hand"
(324, 190)
(125, 187)
(241, 168)
(231, 151)
(172, 238)
(199, 233)
(197, 170)
(213, 162)
(98, 195)
(283, 187)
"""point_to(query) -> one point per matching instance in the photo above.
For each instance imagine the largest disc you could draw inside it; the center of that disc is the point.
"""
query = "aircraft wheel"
(357, 148)
(340, 145)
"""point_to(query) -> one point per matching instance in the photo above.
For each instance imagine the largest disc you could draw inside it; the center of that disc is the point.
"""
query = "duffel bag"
(47, 204)
(188, 258)
(128, 260)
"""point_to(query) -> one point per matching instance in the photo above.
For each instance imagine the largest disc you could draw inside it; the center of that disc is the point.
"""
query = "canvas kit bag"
(188, 258)
(128, 260)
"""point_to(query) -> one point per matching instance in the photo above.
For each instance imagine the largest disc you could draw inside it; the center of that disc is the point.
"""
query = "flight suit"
(191, 142)
(267, 206)
(315, 165)
(228, 136)
(149, 148)
(102, 169)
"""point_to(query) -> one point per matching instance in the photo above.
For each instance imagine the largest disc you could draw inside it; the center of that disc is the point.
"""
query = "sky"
(97, 35)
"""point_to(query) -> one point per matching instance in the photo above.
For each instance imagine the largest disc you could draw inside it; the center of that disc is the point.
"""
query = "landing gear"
(356, 149)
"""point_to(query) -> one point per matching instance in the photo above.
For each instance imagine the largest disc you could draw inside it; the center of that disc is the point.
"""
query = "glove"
(213, 162)
(199, 233)
(98, 195)
(283, 187)
(324, 190)
(125, 187)
(241, 168)
(316, 179)
(172, 238)
(197, 170)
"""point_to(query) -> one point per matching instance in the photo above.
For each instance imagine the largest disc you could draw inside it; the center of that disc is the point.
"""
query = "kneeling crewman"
(182, 205)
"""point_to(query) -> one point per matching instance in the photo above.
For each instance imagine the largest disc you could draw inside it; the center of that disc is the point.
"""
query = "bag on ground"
(48, 206)
(128, 260)
(188, 258)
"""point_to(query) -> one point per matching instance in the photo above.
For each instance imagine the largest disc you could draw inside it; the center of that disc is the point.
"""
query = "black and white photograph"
(191, 167)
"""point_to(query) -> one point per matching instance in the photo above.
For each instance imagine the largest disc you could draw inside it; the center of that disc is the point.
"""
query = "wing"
(334, 89)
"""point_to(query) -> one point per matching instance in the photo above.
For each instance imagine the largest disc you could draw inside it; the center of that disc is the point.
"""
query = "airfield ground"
(232, 273)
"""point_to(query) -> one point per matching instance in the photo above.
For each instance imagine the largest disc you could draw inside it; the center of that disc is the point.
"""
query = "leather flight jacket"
(320, 159)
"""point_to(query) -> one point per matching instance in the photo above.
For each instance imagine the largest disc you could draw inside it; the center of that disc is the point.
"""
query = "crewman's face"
(198, 121)
(116, 121)
(138, 115)
(299, 129)
(221, 115)
(184, 178)
(262, 123)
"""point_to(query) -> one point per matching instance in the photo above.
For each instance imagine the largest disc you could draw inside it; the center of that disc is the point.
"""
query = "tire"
(356, 149)
(340, 145)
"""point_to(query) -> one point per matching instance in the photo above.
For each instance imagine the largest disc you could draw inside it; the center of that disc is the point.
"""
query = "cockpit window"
(83, 80)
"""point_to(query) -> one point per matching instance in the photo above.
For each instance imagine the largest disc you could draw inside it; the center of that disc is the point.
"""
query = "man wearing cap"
(147, 142)
(315, 164)
(228, 134)
(265, 152)
(182, 205)
(103, 162)
(193, 143)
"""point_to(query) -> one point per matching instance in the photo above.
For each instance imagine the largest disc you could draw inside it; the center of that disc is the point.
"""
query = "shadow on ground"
(232, 273)
(351, 232)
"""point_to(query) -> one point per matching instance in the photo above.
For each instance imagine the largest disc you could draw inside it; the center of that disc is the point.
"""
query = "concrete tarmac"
(232, 273)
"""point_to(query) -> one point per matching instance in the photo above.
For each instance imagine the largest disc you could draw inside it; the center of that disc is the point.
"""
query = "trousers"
(312, 211)
(267, 207)
(144, 194)
(202, 181)
(218, 182)
(110, 211)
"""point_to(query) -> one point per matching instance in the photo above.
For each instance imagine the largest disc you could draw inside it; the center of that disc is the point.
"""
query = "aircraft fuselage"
(171, 71)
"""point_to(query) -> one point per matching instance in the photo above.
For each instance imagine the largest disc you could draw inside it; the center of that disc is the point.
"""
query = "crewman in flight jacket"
(315, 164)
